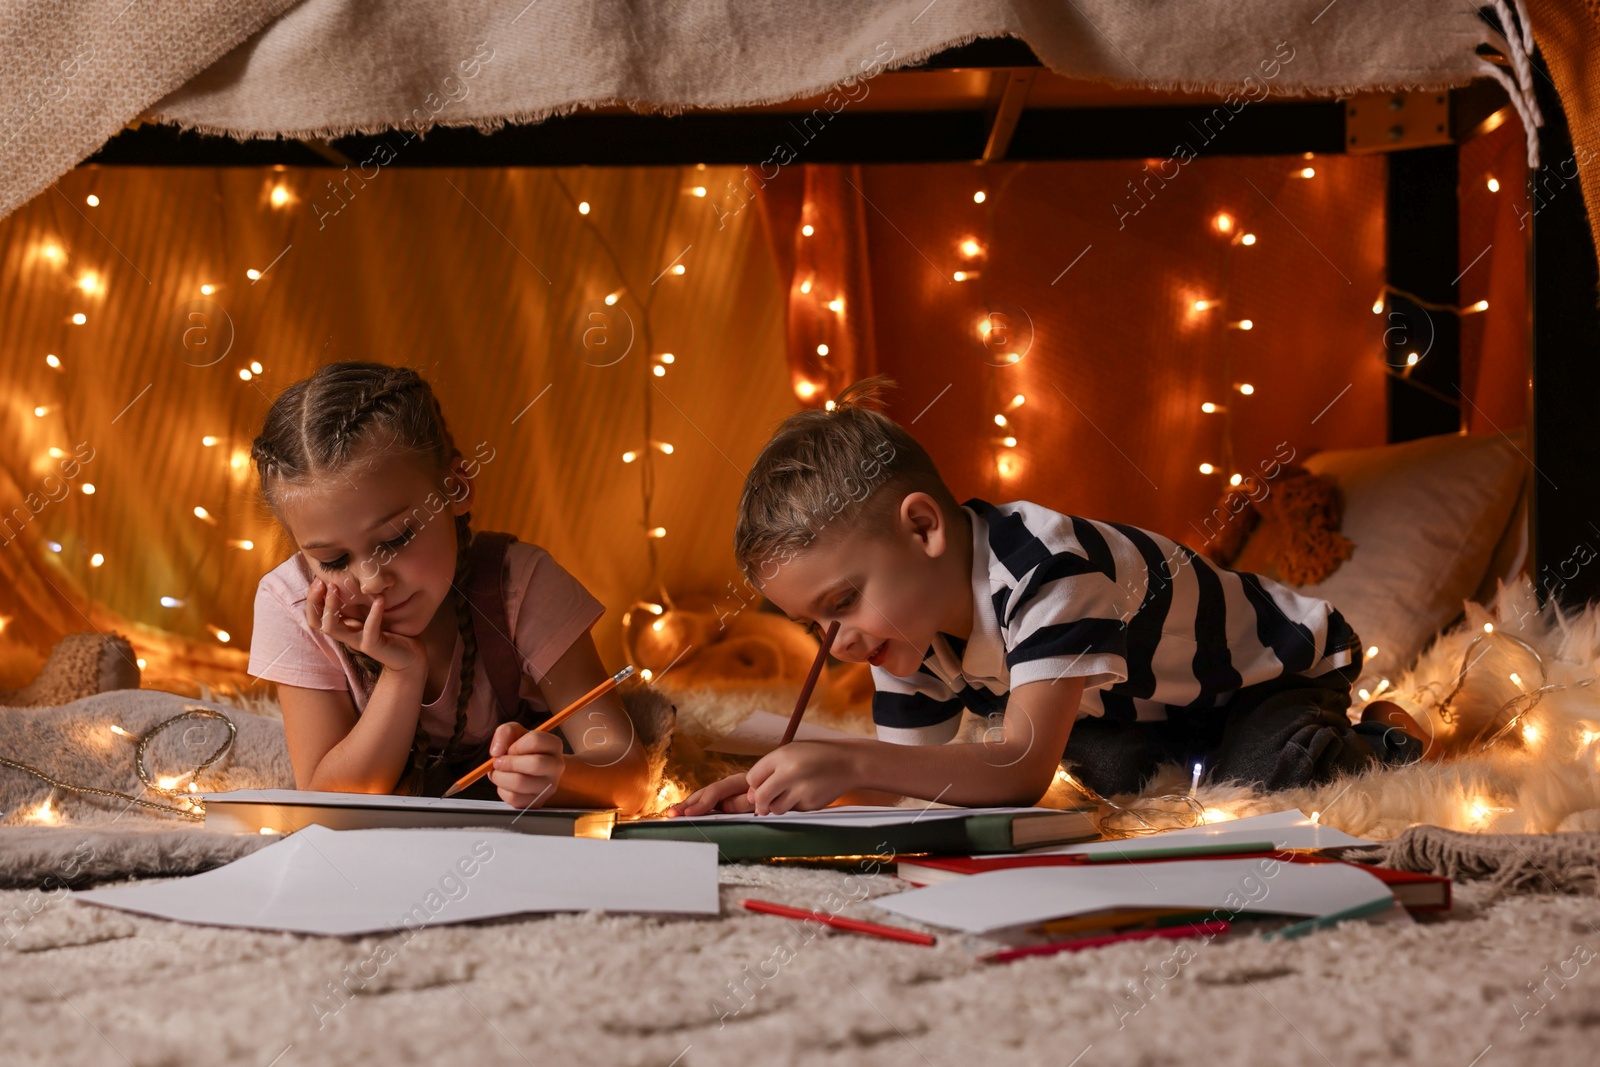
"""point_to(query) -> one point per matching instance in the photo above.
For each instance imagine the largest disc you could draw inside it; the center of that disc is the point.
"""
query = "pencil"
(1215, 926)
(1319, 922)
(893, 933)
(811, 682)
(549, 724)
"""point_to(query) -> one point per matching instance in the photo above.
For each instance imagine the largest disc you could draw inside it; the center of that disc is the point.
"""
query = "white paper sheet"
(1292, 828)
(371, 800)
(322, 881)
(994, 900)
(866, 815)
(760, 731)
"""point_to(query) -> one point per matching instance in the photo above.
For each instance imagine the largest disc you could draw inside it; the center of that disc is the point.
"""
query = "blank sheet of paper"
(322, 881)
(994, 900)
(1285, 829)
(864, 815)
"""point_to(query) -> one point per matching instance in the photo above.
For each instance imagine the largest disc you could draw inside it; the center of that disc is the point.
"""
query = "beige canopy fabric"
(76, 71)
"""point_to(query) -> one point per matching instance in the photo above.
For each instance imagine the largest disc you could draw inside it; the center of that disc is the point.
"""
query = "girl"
(406, 653)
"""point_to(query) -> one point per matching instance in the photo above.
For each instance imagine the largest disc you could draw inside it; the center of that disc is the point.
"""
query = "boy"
(1106, 647)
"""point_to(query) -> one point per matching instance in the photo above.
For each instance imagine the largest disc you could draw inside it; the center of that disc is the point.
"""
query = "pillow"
(1425, 517)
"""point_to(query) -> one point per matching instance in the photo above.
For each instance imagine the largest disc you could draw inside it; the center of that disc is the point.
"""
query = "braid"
(469, 636)
(403, 380)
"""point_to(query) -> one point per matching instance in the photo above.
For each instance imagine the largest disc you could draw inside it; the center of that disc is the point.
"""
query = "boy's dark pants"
(1287, 732)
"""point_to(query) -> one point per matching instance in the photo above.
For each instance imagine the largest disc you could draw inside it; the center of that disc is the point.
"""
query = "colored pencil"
(1319, 922)
(549, 724)
(1215, 926)
(893, 933)
(811, 682)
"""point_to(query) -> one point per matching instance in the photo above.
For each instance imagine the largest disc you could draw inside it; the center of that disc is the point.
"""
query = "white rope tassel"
(1519, 50)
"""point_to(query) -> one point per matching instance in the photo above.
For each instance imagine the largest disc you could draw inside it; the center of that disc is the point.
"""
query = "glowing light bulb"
(79, 319)
(1202, 305)
(1247, 239)
(57, 453)
(1206, 468)
(89, 282)
(244, 374)
(836, 304)
(822, 350)
(1208, 407)
(999, 420)
(829, 405)
(1363, 694)
(280, 195)
(807, 230)
(805, 390)
(959, 276)
(255, 366)
(979, 197)
(207, 290)
(1516, 680)
(1488, 627)
(668, 357)
(666, 448)
(243, 543)
(41, 411)
(583, 207)
(203, 514)
(87, 488)
(1412, 359)
(659, 371)
(1372, 650)
(612, 298)
(699, 190)
(94, 201)
(1235, 479)
(1482, 305)
(52, 360)
(654, 609)
(1308, 172)
(1530, 733)
(119, 731)
(208, 440)
(1006, 465)
(252, 274)
(54, 546)
(1009, 442)
(171, 602)
(658, 625)
(679, 269)
(1017, 401)
(1377, 306)
(1494, 185)
(97, 559)
(1223, 222)
(1246, 388)
(223, 636)
(805, 286)
(647, 674)
(267, 831)
(166, 781)
(659, 531)
(970, 248)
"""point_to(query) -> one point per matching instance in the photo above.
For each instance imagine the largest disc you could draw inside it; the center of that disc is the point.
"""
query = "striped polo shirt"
(1154, 629)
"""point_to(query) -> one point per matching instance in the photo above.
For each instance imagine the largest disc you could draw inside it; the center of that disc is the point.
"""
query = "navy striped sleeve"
(920, 710)
(1072, 624)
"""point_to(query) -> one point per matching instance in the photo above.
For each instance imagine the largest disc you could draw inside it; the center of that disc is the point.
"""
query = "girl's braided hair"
(348, 414)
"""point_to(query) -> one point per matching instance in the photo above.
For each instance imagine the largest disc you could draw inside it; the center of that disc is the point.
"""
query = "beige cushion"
(1426, 517)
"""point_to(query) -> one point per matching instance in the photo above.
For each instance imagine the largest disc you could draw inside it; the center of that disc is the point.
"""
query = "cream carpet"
(1505, 978)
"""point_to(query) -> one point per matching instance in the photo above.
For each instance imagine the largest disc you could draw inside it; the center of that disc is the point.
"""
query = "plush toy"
(79, 665)
(1286, 529)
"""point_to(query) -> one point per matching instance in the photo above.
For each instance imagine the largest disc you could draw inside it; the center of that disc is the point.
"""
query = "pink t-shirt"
(284, 648)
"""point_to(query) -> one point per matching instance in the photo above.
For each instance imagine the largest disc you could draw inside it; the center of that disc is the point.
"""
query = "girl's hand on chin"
(396, 652)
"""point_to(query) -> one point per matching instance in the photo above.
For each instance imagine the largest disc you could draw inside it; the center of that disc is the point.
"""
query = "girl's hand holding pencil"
(527, 764)
(324, 611)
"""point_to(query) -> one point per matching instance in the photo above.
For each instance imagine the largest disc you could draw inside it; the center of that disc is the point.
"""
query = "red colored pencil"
(1214, 926)
(811, 682)
(894, 933)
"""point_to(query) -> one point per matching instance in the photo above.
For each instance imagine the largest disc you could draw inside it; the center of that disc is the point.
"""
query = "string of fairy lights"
(1512, 720)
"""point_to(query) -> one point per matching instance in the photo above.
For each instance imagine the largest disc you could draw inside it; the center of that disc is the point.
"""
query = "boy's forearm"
(372, 756)
(969, 774)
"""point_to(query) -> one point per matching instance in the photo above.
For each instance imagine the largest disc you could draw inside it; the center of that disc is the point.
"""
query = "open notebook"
(284, 811)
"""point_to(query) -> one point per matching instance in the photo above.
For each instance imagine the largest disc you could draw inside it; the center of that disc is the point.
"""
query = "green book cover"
(767, 837)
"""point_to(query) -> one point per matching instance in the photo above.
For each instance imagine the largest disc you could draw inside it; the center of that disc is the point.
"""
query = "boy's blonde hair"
(830, 474)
